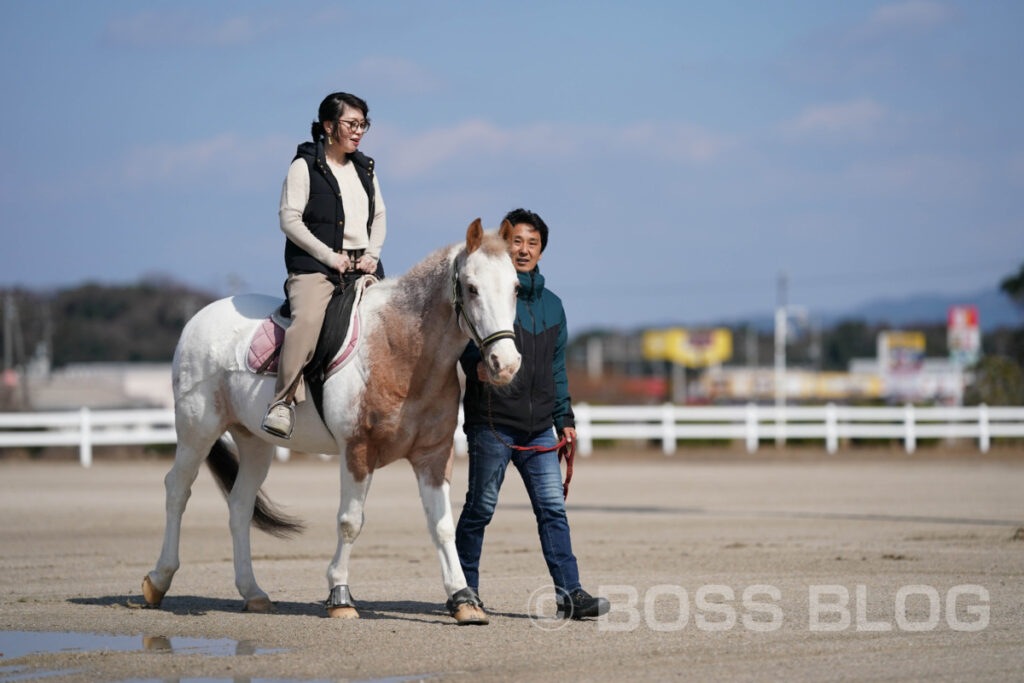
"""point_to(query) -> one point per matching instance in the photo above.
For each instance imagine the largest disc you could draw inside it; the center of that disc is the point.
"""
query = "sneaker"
(580, 604)
(278, 420)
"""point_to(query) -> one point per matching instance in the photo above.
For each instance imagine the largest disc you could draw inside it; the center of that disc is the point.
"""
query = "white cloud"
(854, 118)
(163, 29)
(394, 75)
(228, 159)
(929, 176)
(479, 141)
(674, 141)
(911, 14)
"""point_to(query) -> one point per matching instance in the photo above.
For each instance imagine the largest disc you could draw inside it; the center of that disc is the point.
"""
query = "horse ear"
(506, 231)
(474, 236)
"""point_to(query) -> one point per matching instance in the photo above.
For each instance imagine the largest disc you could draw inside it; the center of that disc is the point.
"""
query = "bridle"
(460, 312)
(566, 448)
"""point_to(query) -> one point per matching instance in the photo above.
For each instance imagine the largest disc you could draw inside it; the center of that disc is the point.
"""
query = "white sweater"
(295, 196)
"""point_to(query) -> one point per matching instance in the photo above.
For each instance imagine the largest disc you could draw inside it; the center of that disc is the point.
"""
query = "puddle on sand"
(20, 643)
(17, 673)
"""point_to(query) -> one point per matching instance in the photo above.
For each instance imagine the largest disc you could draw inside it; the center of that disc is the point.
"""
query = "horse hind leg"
(192, 449)
(254, 459)
(350, 522)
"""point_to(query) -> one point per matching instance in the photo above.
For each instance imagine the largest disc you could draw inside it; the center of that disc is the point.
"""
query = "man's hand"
(569, 434)
(342, 263)
(367, 264)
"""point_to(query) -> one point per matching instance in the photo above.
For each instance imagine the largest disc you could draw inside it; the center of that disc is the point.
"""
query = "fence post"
(752, 436)
(668, 429)
(582, 414)
(984, 434)
(831, 428)
(909, 428)
(85, 445)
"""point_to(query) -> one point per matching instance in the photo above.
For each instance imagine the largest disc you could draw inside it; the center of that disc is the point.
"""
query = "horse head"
(485, 284)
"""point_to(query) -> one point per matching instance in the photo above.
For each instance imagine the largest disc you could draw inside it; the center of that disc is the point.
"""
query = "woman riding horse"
(333, 216)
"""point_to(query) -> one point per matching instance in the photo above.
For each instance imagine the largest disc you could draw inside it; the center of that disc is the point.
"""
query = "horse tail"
(266, 516)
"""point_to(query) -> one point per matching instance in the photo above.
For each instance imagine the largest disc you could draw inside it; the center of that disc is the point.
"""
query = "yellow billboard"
(692, 348)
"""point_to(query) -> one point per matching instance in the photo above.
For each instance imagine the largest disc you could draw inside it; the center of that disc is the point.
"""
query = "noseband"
(460, 312)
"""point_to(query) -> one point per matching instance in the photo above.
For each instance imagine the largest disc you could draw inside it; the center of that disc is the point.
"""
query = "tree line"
(98, 323)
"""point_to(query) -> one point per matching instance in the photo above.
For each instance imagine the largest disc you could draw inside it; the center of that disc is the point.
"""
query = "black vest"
(324, 214)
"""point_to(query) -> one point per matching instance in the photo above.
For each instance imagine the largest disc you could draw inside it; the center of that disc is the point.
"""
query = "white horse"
(396, 398)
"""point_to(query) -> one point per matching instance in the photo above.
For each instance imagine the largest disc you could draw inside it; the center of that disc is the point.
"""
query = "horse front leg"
(340, 604)
(463, 603)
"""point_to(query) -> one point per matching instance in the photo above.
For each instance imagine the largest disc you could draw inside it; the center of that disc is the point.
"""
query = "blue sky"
(682, 153)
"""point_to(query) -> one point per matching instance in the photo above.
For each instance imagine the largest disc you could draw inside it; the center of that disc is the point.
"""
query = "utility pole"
(750, 339)
(595, 357)
(8, 331)
(782, 313)
(780, 359)
(14, 350)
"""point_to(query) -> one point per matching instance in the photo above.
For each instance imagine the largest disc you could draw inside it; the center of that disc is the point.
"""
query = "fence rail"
(830, 423)
(669, 424)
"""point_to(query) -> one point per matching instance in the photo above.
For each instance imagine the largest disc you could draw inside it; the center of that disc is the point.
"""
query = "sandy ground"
(681, 545)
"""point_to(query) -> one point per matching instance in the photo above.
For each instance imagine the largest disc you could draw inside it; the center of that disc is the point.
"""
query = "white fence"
(830, 423)
(667, 424)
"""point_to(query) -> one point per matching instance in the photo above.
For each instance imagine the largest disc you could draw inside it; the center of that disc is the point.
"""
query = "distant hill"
(995, 310)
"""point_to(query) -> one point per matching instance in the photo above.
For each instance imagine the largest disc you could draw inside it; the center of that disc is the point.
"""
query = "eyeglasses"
(357, 126)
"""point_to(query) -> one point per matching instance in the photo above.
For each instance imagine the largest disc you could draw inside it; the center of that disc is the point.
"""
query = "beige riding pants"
(308, 294)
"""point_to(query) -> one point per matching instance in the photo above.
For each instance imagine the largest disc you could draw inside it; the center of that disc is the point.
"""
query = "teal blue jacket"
(538, 397)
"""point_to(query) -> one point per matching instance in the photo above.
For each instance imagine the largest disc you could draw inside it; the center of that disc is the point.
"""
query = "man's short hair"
(516, 216)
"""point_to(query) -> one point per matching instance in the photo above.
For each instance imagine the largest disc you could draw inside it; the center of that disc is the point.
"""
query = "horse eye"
(472, 289)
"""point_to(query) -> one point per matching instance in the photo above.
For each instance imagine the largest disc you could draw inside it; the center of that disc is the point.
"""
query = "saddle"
(336, 345)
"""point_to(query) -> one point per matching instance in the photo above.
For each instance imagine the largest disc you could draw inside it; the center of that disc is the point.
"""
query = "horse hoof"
(259, 606)
(150, 593)
(467, 614)
(342, 613)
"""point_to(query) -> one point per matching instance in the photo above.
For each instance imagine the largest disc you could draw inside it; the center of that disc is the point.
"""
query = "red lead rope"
(566, 451)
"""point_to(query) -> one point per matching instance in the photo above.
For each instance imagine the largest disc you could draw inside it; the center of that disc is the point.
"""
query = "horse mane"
(437, 267)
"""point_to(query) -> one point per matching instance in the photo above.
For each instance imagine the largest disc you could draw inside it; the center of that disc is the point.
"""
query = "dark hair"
(331, 109)
(516, 216)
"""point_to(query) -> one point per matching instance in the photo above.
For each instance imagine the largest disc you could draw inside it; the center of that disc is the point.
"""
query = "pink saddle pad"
(266, 343)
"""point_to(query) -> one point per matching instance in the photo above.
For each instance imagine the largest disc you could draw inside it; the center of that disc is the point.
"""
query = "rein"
(566, 448)
(460, 312)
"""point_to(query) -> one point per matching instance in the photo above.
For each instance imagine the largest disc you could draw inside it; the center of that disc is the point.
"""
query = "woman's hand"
(342, 263)
(367, 264)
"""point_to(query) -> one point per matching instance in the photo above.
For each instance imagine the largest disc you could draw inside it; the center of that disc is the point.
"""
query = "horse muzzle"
(502, 361)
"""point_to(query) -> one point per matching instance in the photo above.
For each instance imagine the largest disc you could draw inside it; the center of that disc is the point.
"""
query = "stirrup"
(291, 409)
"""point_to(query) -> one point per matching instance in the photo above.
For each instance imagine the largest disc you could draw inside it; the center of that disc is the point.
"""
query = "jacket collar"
(531, 285)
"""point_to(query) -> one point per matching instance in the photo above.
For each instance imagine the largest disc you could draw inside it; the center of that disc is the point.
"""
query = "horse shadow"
(194, 605)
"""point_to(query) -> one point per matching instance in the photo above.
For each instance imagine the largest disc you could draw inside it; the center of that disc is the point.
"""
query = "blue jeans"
(488, 459)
